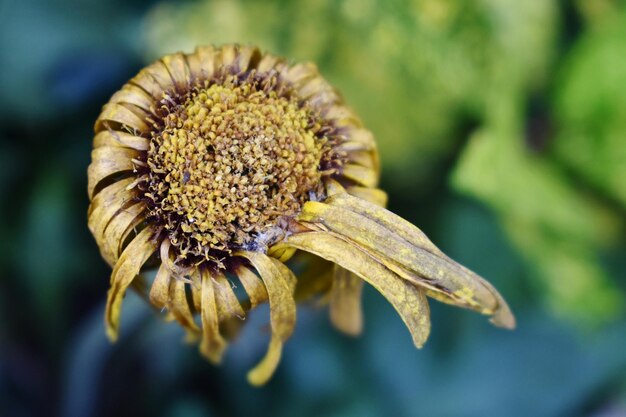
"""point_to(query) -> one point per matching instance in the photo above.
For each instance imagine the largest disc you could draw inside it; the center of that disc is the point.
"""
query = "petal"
(159, 292)
(261, 373)
(126, 269)
(373, 195)
(131, 94)
(178, 305)
(228, 305)
(345, 301)
(202, 63)
(360, 174)
(120, 139)
(178, 70)
(119, 228)
(408, 300)
(154, 80)
(119, 114)
(247, 58)
(282, 311)
(253, 285)
(407, 251)
(106, 161)
(213, 344)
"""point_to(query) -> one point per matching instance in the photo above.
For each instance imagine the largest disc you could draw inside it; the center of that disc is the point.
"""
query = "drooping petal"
(282, 311)
(407, 252)
(345, 301)
(213, 344)
(254, 287)
(501, 315)
(408, 300)
(126, 269)
(178, 305)
(228, 305)
(159, 292)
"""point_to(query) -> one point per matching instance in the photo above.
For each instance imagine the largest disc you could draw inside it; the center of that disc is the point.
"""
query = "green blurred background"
(502, 131)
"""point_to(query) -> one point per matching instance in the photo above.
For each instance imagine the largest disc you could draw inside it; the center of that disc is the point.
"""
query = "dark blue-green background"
(502, 132)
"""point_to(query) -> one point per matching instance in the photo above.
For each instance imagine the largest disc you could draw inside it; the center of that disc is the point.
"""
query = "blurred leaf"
(590, 107)
(554, 226)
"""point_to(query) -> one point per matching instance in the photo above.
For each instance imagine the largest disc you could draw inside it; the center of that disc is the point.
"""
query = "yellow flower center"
(228, 163)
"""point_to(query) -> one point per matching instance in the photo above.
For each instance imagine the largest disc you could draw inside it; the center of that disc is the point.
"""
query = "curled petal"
(122, 115)
(106, 161)
(126, 269)
(408, 300)
(120, 139)
(118, 229)
(131, 94)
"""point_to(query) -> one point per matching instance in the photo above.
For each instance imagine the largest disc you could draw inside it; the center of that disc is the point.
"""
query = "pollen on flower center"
(228, 162)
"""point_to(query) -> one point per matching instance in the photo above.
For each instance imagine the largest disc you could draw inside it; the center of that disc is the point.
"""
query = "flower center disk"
(227, 162)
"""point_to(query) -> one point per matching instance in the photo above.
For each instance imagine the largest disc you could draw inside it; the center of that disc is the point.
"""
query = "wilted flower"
(217, 166)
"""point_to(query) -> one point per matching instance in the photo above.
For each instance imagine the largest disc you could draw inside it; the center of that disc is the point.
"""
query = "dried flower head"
(218, 167)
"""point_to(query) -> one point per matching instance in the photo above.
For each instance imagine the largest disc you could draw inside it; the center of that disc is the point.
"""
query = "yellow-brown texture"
(228, 163)
(204, 150)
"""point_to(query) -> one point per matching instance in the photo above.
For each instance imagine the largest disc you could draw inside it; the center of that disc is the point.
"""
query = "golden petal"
(277, 283)
(271, 62)
(106, 161)
(360, 174)
(282, 311)
(364, 158)
(300, 74)
(202, 63)
(228, 305)
(178, 70)
(261, 373)
(229, 54)
(131, 94)
(253, 285)
(125, 271)
(408, 253)
(107, 202)
(154, 80)
(159, 292)
(373, 195)
(115, 113)
(408, 300)
(118, 229)
(121, 139)
(179, 307)
(247, 58)
(342, 116)
(213, 344)
(345, 301)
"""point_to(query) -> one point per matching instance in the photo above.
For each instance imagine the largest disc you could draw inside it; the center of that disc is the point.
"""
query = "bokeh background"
(502, 131)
